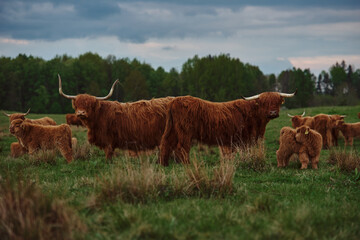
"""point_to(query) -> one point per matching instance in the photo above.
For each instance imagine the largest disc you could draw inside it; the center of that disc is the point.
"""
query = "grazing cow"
(16, 149)
(349, 131)
(136, 126)
(228, 124)
(34, 137)
(334, 128)
(320, 123)
(71, 119)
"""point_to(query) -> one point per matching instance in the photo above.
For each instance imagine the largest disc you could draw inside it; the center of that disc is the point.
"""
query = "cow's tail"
(169, 122)
(68, 132)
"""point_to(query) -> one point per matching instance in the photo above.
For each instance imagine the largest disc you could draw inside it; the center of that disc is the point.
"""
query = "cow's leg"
(351, 141)
(282, 158)
(226, 152)
(304, 159)
(314, 162)
(109, 152)
(183, 149)
(66, 151)
(167, 146)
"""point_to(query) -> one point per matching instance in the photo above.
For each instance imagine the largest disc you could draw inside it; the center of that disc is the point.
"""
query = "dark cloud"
(137, 21)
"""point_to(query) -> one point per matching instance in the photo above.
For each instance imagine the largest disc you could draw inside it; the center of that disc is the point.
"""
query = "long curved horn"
(251, 98)
(61, 92)
(6, 114)
(290, 115)
(288, 94)
(110, 93)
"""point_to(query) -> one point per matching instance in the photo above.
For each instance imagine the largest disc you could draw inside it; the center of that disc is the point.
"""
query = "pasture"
(134, 198)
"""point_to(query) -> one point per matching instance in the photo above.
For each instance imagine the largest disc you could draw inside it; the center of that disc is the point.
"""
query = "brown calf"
(34, 137)
(349, 131)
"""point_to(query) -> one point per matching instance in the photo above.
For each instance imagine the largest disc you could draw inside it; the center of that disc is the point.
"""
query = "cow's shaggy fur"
(135, 126)
(17, 150)
(34, 137)
(227, 124)
(71, 119)
(349, 131)
(303, 141)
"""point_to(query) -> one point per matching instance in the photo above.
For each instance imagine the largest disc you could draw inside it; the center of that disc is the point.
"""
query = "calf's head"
(14, 116)
(302, 134)
(269, 102)
(16, 127)
(85, 105)
(297, 120)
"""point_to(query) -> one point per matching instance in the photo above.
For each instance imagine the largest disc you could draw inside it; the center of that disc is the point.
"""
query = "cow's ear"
(72, 104)
(282, 100)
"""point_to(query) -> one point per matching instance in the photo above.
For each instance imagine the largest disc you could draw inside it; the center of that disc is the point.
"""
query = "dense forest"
(30, 82)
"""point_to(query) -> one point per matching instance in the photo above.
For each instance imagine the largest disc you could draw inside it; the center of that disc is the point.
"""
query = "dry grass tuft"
(43, 156)
(26, 213)
(133, 183)
(253, 157)
(345, 161)
(83, 151)
(145, 182)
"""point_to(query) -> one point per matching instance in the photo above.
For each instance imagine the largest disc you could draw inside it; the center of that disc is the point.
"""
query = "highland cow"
(34, 137)
(320, 123)
(136, 126)
(71, 119)
(349, 131)
(303, 141)
(228, 124)
(334, 128)
(312, 141)
(16, 149)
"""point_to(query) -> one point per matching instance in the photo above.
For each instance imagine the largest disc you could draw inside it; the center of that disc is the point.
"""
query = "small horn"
(303, 114)
(61, 92)
(290, 115)
(110, 93)
(8, 115)
(288, 94)
(251, 98)
(27, 112)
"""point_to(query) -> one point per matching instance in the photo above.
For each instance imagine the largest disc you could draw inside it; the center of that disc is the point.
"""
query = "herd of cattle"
(174, 123)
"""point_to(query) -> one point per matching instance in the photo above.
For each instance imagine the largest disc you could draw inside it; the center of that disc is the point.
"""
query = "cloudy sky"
(274, 35)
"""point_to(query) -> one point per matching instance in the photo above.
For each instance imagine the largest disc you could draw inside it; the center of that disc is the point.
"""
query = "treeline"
(30, 82)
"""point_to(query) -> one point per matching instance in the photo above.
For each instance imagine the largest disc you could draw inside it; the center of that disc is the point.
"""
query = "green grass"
(264, 203)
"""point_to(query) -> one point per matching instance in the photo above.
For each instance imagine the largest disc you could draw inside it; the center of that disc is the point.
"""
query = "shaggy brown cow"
(303, 141)
(334, 128)
(34, 137)
(71, 119)
(312, 141)
(320, 123)
(41, 121)
(16, 149)
(349, 131)
(135, 126)
(228, 124)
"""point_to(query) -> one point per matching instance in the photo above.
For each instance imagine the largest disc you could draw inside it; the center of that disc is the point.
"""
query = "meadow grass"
(246, 197)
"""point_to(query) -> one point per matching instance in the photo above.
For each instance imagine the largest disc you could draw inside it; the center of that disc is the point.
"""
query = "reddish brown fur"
(320, 123)
(17, 150)
(349, 130)
(34, 137)
(41, 121)
(334, 129)
(288, 147)
(227, 124)
(312, 142)
(71, 119)
(135, 126)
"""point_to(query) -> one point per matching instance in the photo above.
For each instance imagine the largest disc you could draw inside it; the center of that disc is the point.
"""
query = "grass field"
(134, 198)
